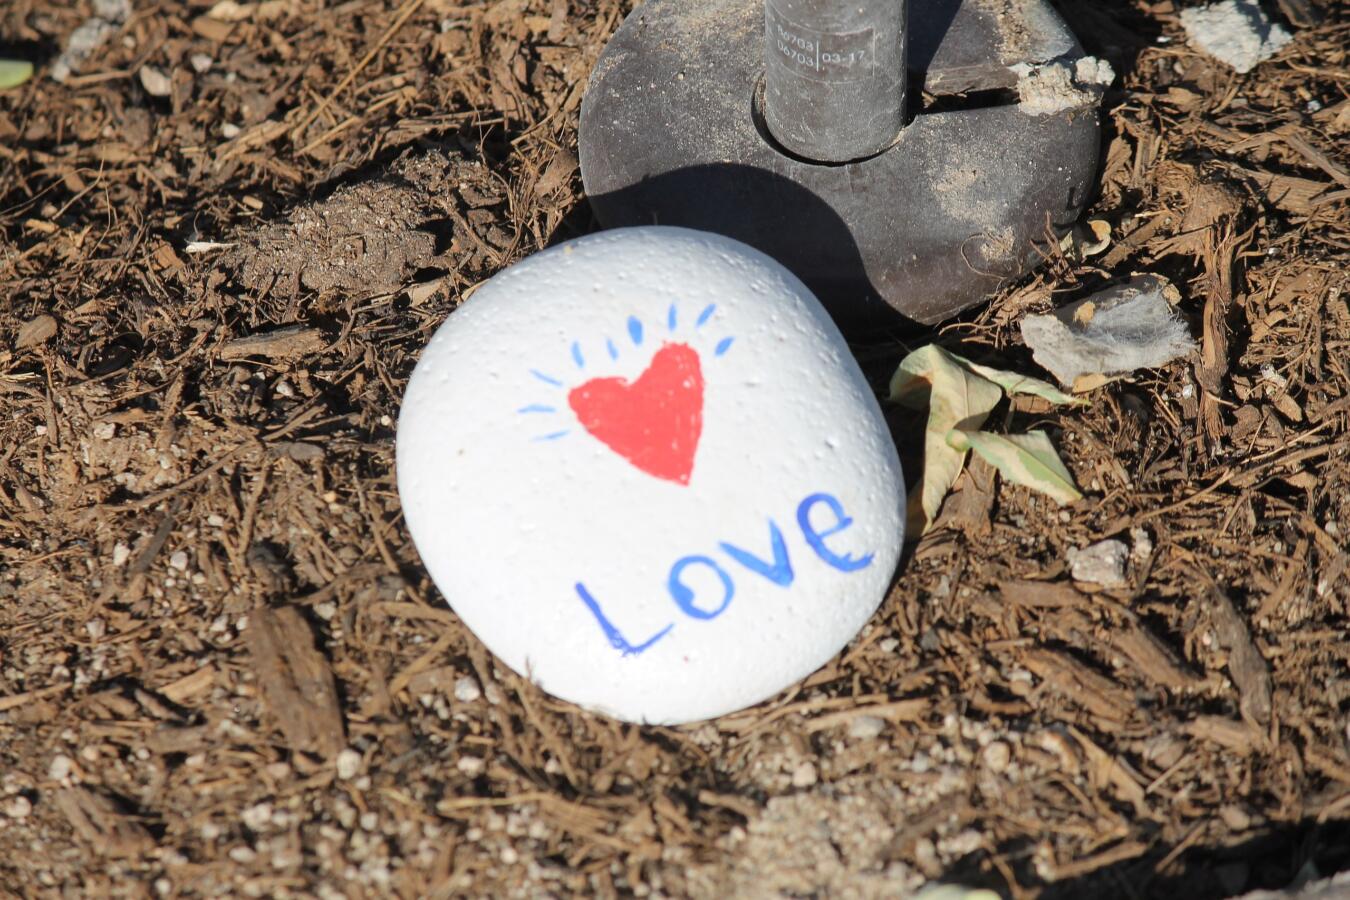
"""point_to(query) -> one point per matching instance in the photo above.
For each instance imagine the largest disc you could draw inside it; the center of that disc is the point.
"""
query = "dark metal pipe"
(834, 80)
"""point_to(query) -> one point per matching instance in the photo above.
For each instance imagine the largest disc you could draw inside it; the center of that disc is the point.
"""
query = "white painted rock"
(645, 470)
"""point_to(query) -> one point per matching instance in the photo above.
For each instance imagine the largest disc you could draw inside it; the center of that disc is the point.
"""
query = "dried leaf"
(1015, 383)
(956, 398)
(14, 72)
(960, 395)
(1026, 459)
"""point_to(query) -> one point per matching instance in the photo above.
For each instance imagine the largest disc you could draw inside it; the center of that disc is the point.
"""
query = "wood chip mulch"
(223, 671)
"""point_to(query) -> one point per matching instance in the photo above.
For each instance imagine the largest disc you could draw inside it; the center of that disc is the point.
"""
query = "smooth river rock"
(645, 470)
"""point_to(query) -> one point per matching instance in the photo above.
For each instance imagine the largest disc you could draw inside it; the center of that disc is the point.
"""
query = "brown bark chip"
(1246, 666)
(37, 330)
(101, 825)
(297, 686)
(282, 343)
(1153, 659)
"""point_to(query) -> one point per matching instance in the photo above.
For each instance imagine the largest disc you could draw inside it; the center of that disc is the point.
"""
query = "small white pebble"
(348, 764)
(96, 628)
(60, 768)
(996, 756)
(243, 855)
(105, 431)
(19, 807)
(201, 63)
(121, 553)
(866, 727)
(325, 610)
(257, 816)
(229, 131)
(215, 521)
(179, 560)
(466, 690)
(369, 821)
(804, 775)
(472, 766)
(155, 82)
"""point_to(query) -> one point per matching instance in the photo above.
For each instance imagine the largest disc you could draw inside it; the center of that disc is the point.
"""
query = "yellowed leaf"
(956, 399)
(1026, 459)
(14, 72)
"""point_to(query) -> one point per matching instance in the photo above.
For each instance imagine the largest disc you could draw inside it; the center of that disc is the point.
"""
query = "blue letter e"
(816, 539)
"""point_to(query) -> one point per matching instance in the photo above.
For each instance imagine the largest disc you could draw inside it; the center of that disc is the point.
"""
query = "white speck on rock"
(1101, 563)
(1049, 88)
(1235, 32)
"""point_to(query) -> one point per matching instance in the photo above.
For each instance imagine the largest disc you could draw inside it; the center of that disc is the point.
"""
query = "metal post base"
(1004, 156)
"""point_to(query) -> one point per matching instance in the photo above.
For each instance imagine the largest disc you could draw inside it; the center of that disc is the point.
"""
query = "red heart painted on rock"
(653, 422)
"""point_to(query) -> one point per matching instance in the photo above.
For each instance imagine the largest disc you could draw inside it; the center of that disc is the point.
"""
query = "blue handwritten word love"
(779, 571)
